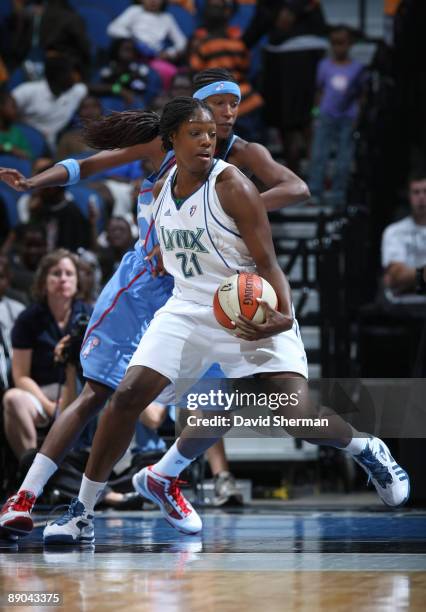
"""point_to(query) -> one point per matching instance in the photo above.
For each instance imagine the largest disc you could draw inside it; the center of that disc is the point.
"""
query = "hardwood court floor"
(256, 560)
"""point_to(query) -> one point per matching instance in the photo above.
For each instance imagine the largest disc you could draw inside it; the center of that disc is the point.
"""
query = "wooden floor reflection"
(217, 590)
(248, 561)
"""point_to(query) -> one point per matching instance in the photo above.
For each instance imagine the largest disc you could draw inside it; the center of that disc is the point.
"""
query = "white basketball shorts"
(184, 339)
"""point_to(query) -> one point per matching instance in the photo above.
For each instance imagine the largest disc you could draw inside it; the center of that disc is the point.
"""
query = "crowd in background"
(323, 113)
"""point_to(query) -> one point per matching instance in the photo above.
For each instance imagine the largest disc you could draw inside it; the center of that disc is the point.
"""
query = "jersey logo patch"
(90, 345)
(192, 210)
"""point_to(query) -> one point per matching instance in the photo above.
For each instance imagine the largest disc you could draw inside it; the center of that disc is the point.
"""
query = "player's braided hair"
(120, 130)
(209, 76)
(128, 128)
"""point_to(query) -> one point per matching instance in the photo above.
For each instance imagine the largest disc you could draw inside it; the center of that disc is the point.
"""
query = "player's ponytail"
(120, 130)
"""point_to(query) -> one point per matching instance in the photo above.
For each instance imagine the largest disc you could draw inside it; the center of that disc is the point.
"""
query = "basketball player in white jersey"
(210, 224)
(133, 295)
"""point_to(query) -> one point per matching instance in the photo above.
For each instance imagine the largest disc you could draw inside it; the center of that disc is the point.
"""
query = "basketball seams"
(239, 277)
(220, 314)
(257, 303)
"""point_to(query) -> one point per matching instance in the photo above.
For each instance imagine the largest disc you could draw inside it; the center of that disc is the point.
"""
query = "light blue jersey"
(131, 297)
(128, 301)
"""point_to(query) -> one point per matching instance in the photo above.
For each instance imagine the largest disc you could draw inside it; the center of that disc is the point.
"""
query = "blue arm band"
(73, 168)
(220, 87)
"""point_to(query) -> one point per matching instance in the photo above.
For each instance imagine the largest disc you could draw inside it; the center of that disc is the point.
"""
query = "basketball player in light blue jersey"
(129, 300)
(211, 224)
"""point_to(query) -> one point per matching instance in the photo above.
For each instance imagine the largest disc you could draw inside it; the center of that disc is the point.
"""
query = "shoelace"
(68, 515)
(379, 471)
(22, 501)
(176, 494)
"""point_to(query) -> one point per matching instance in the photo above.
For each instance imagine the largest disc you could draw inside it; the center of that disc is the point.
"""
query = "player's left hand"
(275, 323)
(155, 254)
(14, 179)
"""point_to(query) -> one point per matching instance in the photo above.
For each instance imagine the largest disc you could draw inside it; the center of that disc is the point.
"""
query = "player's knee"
(126, 399)
(12, 400)
(92, 398)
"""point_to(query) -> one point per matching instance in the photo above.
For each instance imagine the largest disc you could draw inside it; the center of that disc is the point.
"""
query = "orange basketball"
(238, 294)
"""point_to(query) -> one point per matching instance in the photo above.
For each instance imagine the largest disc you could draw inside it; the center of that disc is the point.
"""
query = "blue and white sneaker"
(391, 481)
(74, 527)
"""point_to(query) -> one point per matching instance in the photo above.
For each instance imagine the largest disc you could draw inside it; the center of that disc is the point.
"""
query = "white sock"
(172, 463)
(90, 492)
(356, 445)
(42, 468)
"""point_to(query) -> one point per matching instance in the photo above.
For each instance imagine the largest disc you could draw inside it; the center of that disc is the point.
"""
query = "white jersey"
(200, 243)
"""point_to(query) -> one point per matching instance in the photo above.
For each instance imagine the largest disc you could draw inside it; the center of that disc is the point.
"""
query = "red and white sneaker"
(15, 519)
(164, 491)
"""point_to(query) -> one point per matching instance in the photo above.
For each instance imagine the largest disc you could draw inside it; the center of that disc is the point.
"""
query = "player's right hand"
(14, 179)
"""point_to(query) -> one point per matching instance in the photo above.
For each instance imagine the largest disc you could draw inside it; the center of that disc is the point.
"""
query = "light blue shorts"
(121, 315)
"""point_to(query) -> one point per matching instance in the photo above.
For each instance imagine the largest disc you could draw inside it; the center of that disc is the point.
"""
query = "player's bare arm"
(58, 175)
(283, 187)
(241, 201)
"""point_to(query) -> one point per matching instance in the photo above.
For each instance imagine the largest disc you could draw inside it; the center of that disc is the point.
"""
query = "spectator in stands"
(295, 46)
(120, 187)
(38, 27)
(38, 329)
(340, 82)
(119, 238)
(90, 276)
(218, 45)
(157, 35)
(127, 76)
(262, 22)
(49, 104)
(181, 85)
(55, 208)
(404, 245)
(71, 142)
(4, 74)
(12, 140)
(30, 246)
(9, 311)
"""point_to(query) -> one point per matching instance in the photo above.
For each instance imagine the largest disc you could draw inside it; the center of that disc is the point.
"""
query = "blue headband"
(217, 88)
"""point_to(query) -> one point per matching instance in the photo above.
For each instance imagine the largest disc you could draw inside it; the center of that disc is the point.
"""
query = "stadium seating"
(243, 15)
(113, 7)
(184, 19)
(36, 140)
(10, 198)
(97, 20)
(17, 77)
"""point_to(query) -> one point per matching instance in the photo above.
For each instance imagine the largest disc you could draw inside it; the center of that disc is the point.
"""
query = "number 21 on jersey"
(190, 265)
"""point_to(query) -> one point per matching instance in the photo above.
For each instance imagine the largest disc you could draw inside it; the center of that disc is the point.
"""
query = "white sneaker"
(164, 491)
(391, 481)
(74, 527)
